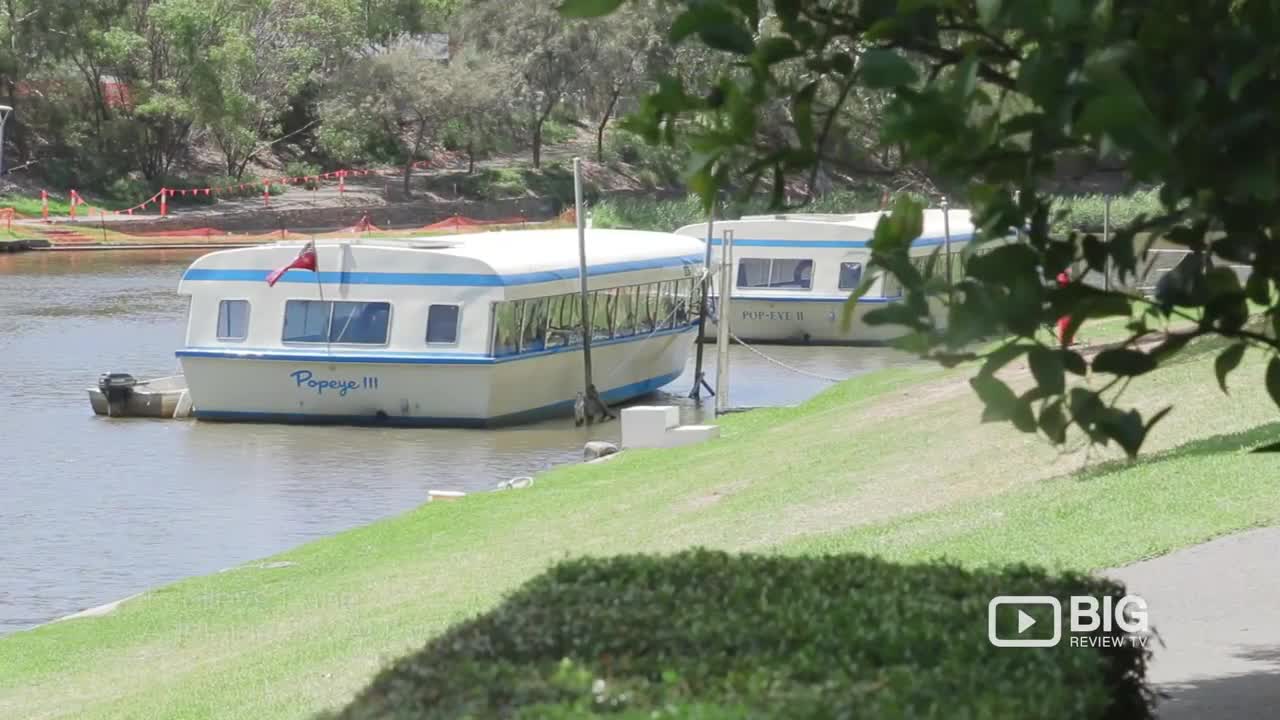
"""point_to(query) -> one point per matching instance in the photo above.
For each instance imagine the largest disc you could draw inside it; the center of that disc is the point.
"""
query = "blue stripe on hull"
(415, 358)
(557, 409)
(918, 242)
(438, 279)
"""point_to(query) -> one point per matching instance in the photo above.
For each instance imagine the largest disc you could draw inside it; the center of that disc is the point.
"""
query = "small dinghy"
(123, 395)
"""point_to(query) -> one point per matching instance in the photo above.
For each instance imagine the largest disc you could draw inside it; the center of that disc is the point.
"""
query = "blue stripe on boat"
(564, 407)
(438, 279)
(393, 358)
(918, 242)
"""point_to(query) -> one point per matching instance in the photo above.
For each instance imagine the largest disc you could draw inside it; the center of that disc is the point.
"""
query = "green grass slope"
(894, 462)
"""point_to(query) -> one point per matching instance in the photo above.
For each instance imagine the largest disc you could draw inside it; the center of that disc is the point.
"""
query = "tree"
(550, 56)
(248, 58)
(405, 92)
(625, 50)
(994, 95)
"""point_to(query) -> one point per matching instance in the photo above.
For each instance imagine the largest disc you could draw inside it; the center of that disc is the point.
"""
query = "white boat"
(794, 272)
(470, 330)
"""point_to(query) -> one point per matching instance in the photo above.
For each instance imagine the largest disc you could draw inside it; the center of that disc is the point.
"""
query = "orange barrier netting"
(192, 232)
(160, 199)
(457, 222)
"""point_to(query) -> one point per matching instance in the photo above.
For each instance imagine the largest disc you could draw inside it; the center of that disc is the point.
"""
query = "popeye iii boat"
(794, 272)
(472, 330)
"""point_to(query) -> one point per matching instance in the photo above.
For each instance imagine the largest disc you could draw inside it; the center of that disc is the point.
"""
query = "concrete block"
(644, 426)
(692, 435)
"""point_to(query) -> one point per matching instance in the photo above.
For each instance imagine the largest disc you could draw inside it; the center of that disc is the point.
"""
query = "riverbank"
(893, 462)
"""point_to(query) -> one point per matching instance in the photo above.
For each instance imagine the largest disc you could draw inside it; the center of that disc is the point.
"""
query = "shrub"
(300, 168)
(711, 635)
(1085, 212)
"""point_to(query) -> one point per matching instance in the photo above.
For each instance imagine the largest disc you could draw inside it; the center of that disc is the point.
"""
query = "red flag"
(306, 260)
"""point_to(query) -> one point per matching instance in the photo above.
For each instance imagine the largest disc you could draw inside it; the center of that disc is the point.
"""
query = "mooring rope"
(783, 365)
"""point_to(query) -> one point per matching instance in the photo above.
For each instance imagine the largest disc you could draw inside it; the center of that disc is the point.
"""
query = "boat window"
(602, 302)
(564, 327)
(695, 300)
(753, 272)
(533, 336)
(442, 324)
(555, 308)
(625, 324)
(681, 300)
(646, 307)
(666, 305)
(775, 273)
(796, 274)
(306, 320)
(360, 323)
(506, 327)
(850, 275)
(233, 319)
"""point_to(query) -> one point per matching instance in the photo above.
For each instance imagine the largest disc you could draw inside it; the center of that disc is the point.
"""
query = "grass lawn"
(893, 463)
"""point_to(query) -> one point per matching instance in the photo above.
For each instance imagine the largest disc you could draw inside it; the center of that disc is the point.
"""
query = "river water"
(95, 509)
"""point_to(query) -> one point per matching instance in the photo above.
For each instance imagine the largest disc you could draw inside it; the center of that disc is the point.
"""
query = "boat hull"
(424, 390)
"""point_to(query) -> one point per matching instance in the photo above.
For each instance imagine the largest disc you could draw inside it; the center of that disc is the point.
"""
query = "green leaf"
(1227, 361)
(846, 314)
(886, 69)
(1073, 362)
(588, 8)
(989, 10)
(1258, 288)
(777, 49)
(1048, 370)
(1123, 362)
(1273, 379)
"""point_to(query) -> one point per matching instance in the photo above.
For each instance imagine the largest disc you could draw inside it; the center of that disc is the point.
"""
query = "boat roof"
(498, 258)
(831, 231)
(959, 218)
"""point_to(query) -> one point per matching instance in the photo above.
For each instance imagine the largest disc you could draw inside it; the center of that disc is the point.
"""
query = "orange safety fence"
(457, 222)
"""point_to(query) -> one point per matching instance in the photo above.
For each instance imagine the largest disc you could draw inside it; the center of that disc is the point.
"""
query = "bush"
(1085, 212)
(299, 168)
(711, 635)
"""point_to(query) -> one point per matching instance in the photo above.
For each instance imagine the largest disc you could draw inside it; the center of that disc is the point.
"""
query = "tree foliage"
(992, 95)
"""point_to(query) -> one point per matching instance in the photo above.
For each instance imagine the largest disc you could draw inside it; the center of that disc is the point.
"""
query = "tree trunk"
(471, 158)
(537, 134)
(413, 154)
(537, 144)
(604, 121)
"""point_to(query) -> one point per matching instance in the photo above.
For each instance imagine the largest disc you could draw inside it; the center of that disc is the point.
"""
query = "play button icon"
(1017, 624)
(1024, 621)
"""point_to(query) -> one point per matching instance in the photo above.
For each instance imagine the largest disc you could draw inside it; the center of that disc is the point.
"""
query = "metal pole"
(723, 299)
(946, 235)
(698, 381)
(1106, 241)
(5, 111)
(580, 217)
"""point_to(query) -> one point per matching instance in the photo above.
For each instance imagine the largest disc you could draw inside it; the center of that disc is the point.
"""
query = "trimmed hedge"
(710, 635)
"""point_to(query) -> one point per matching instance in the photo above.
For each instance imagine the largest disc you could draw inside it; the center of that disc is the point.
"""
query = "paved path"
(1217, 608)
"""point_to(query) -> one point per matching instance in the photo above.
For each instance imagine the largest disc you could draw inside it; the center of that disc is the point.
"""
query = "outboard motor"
(117, 387)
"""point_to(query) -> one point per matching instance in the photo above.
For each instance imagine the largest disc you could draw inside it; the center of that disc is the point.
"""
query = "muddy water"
(94, 509)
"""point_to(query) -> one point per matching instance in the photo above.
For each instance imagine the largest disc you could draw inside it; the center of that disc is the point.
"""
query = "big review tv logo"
(1012, 620)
